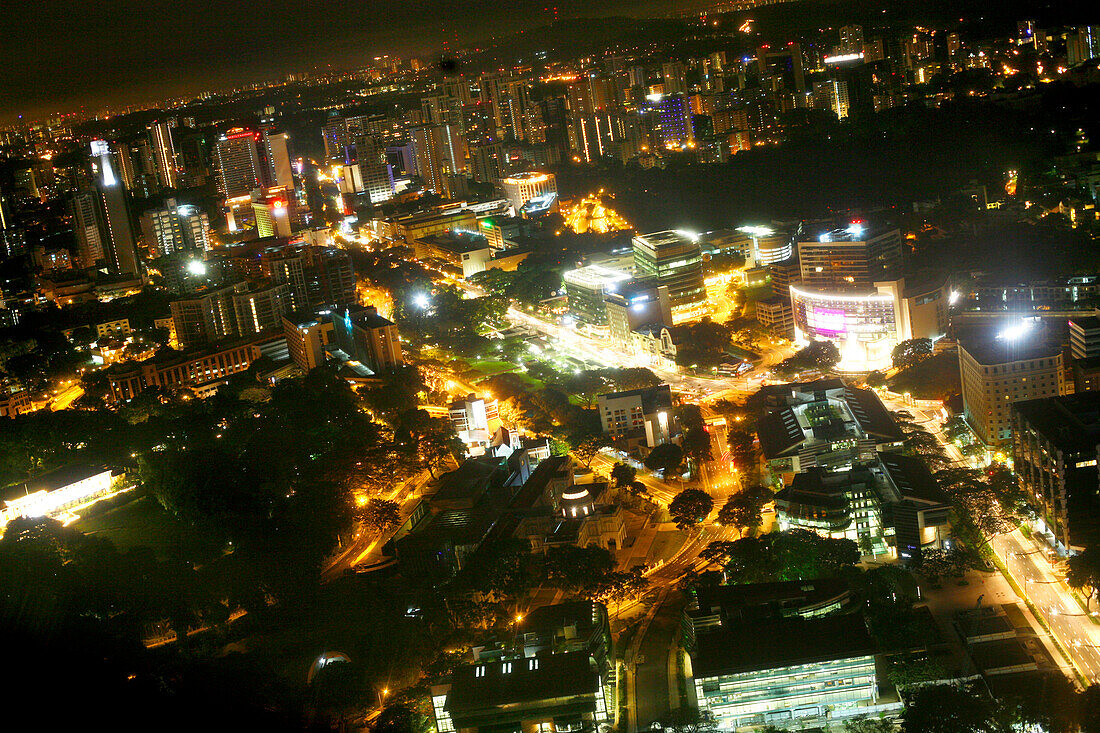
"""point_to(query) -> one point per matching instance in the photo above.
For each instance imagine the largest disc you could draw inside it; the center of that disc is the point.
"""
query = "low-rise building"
(199, 370)
(550, 692)
(368, 338)
(822, 672)
(640, 417)
(52, 493)
(824, 424)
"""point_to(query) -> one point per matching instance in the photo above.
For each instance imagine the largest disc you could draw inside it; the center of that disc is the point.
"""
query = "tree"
(911, 352)
(619, 587)
(948, 709)
(575, 568)
(742, 445)
(690, 720)
(665, 458)
(743, 510)
(1083, 573)
(622, 474)
(690, 507)
(381, 514)
(587, 449)
(819, 355)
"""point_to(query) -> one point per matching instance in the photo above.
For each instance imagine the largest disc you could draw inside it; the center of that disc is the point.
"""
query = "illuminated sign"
(829, 322)
(842, 58)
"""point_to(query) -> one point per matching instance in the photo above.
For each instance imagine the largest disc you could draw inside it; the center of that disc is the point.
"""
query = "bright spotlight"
(1015, 331)
(420, 300)
(196, 267)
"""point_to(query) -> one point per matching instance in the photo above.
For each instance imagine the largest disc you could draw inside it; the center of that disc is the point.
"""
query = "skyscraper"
(164, 153)
(277, 153)
(440, 155)
(84, 207)
(240, 168)
(121, 248)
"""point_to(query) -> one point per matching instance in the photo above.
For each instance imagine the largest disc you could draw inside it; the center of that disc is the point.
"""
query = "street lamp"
(382, 694)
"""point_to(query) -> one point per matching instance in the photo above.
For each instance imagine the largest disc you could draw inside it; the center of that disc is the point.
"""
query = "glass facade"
(801, 693)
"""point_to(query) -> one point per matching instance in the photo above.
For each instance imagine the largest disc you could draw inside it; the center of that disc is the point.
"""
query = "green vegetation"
(933, 378)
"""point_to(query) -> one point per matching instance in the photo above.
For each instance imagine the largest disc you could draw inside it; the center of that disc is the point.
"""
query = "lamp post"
(382, 695)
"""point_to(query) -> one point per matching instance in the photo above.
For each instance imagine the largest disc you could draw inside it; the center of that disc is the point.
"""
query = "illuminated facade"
(768, 246)
(587, 289)
(238, 162)
(996, 373)
(863, 327)
(823, 672)
(52, 493)
(640, 417)
(675, 260)
(522, 187)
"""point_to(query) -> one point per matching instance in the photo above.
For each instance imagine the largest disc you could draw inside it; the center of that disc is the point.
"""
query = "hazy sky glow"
(62, 54)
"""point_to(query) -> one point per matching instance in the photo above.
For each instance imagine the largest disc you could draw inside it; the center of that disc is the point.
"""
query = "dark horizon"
(99, 54)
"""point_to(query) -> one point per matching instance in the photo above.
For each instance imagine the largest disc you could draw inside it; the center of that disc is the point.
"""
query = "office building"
(273, 209)
(1084, 337)
(117, 232)
(776, 316)
(174, 228)
(675, 261)
(238, 163)
(997, 372)
(368, 338)
(329, 277)
(306, 339)
(767, 246)
(852, 259)
(164, 153)
(632, 305)
(206, 316)
(822, 673)
(1055, 447)
(84, 208)
(373, 179)
(440, 156)
(260, 307)
(587, 289)
(522, 187)
(277, 155)
(640, 417)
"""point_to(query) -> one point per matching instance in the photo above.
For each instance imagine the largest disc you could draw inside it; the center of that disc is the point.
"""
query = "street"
(1077, 633)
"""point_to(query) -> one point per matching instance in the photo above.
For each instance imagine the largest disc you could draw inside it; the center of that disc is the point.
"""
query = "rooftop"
(476, 687)
(993, 351)
(911, 477)
(752, 647)
(1071, 423)
(58, 478)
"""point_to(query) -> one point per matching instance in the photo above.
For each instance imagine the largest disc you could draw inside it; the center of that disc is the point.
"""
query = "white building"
(52, 493)
(522, 187)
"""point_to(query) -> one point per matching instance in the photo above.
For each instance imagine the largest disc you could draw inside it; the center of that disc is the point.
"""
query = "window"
(506, 668)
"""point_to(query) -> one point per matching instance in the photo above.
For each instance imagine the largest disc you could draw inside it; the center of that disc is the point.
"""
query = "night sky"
(60, 55)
